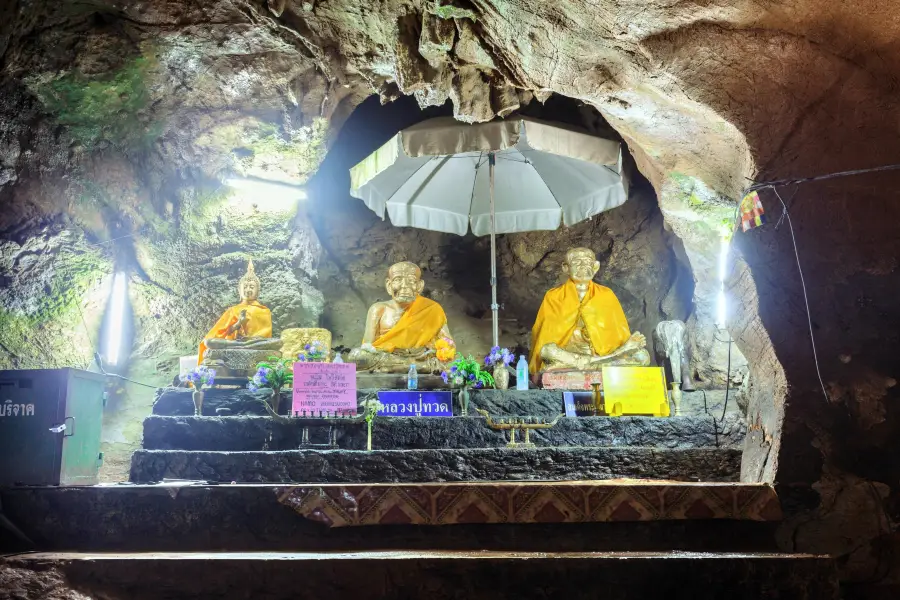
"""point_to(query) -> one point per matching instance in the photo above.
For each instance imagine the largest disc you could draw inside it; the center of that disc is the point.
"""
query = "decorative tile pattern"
(513, 502)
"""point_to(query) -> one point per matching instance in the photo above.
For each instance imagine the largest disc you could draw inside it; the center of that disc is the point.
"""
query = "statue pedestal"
(570, 379)
(236, 362)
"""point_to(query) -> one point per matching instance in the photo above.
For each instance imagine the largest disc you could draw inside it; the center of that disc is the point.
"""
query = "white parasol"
(506, 176)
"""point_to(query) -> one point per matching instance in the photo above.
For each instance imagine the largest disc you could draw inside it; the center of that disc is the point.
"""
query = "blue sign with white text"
(416, 404)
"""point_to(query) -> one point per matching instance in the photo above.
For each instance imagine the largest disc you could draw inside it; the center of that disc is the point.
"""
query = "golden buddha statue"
(581, 325)
(403, 330)
(244, 326)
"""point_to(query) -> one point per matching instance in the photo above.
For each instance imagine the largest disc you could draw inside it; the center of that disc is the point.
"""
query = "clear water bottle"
(337, 359)
(522, 373)
(412, 378)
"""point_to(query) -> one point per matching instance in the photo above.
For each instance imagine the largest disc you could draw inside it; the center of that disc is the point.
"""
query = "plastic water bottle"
(522, 373)
(412, 378)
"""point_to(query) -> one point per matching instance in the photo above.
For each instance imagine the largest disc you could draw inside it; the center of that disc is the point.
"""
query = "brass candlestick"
(513, 424)
(599, 405)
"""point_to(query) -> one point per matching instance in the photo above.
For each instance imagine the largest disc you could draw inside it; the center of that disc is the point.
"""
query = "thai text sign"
(579, 404)
(635, 391)
(415, 404)
(324, 387)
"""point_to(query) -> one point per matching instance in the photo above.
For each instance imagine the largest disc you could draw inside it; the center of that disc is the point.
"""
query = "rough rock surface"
(399, 433)
(414, 466)
(249, 517)
(396, 575)
(706, 94)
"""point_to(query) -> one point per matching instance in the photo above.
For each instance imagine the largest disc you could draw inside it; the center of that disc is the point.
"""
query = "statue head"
(404, 282)
(248, 286)
(581, 264)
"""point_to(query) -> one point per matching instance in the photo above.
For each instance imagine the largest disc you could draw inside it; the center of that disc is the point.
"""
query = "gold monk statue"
(403, 330)
(246, 326)
(581, 325)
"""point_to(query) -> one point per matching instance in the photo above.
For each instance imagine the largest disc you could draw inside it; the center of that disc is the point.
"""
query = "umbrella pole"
(494, 306)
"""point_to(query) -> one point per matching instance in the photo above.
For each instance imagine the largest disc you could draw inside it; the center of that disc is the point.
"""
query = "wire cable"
(782, 182)
(812, 337)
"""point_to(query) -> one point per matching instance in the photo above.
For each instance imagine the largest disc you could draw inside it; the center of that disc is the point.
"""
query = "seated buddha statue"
(403, 330)
(580, 324)
(244, 326)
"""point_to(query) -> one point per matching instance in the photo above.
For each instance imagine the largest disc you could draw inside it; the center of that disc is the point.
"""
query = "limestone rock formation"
(118, 121)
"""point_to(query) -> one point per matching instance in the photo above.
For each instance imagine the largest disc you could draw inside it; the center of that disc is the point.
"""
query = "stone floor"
(437, 575)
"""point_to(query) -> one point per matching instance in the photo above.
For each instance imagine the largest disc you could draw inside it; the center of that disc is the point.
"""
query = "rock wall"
(706, 95)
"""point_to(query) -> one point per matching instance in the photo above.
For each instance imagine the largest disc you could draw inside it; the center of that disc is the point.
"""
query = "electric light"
(266, 194)
(721, 303)
(115, 322)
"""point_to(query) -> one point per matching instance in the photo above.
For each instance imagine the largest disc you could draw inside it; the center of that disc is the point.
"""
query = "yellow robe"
(600, 311)
(417, 328)
(258, 325)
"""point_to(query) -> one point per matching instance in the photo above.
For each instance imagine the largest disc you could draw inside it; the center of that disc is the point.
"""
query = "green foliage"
(465, 371)
(448, 11)
(272, 373)
(111, 108)
(298, 156)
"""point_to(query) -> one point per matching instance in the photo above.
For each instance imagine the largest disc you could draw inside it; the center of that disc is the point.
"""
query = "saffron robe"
(604, 322)
(419, 327)
(259, 324)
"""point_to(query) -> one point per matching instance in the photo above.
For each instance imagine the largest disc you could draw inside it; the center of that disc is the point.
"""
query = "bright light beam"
(115, 324)
(266, 194)
(721, 303)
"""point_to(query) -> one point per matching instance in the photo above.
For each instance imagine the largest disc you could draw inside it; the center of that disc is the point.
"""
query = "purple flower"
(301, 358)
(307, 347)
(444, 376)
(487, 360)
(453, 369)
(471, 376)
(478, 385)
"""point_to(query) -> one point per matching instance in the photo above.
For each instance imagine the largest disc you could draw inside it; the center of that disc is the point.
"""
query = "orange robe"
(419, 327)
(259, 324)
(600, 312)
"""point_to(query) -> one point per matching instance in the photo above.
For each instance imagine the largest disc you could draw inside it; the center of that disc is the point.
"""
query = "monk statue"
(581, 325)
(244, 326)
(403, 330)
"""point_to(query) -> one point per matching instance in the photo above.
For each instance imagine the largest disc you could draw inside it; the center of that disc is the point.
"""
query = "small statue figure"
(245, 326)
(671, 344)
(403, 330)
(581, 325)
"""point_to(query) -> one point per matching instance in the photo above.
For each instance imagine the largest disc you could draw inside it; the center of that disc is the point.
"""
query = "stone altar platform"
(420, 466)
(541, 403)
(252, 433)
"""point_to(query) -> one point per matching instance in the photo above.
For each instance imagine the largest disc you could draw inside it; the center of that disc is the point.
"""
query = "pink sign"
(324, 387)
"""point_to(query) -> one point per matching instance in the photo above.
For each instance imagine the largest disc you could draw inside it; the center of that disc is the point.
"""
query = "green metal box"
(50, 422)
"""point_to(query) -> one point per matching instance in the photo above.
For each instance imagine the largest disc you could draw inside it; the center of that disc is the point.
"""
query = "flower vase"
(276, 399)
(198, 402)
(464, 401)
(501, 377)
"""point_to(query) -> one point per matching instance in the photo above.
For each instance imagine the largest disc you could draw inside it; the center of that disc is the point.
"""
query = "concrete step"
(559, 516)
(248, 433)
(436, 575)
(419, 466)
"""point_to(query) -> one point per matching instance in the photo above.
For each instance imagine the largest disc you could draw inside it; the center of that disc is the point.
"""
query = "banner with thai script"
(579, 404)
(326, 388)
(416, 404)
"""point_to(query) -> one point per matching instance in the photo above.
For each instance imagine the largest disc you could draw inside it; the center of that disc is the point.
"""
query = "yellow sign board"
(635, 391)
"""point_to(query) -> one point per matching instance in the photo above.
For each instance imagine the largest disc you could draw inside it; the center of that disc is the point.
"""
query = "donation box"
(50, 421)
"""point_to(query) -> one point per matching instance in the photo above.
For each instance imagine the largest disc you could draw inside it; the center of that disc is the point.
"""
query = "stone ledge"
(437, 575)
(249, 433)
(257, 517)
(541, 403)
(417, 466)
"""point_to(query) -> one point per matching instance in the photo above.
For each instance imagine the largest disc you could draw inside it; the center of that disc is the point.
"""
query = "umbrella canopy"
(500, 177)
(434, 175)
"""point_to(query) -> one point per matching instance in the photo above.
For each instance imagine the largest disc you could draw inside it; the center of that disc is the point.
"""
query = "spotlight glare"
(116, 318)
(721, 310)
(265, 194)
(723, 259)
